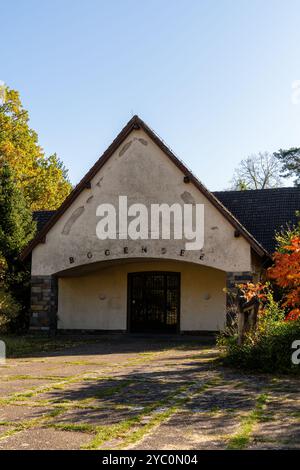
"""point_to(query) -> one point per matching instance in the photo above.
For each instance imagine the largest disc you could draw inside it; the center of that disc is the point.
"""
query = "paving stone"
(189, 431)
(4, 429)
(282, 431)
(13, 413)
(10, 387)
(101, 390)
(93, 416)
(137, 372)
(45, 439)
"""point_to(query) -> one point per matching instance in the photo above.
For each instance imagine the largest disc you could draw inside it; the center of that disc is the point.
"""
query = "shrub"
(266, 350)
(268, 347)
(9, 311)
(271, 311)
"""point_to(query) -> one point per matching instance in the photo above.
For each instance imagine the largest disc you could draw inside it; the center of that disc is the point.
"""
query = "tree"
(43, 180)
(9, 308)
(290, 160)
(257, 172)
(286, 274)
(16, 226)
(16, 230)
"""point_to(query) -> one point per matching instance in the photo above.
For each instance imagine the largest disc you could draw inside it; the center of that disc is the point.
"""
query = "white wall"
(140, 170)
(99, 300)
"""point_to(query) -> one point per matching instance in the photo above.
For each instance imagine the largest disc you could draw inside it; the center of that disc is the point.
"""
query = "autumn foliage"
(251, 290)
(268, 346)
(42, 179)
(286, 274)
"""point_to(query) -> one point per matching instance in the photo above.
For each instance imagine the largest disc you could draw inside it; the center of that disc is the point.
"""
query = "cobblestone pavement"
(143, 393)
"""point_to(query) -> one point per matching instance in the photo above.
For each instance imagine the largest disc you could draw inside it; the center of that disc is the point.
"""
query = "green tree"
(43, 180)
(290, 160)
(9, 308)
(16, 230)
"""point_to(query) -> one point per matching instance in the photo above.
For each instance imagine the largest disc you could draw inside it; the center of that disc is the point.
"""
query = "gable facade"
(82, 283)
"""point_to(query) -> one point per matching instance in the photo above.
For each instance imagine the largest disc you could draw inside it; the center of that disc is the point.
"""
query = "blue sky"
(212, 78)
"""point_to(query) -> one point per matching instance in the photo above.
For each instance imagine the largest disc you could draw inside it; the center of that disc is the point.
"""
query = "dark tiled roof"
(41, 218)
(264, 211)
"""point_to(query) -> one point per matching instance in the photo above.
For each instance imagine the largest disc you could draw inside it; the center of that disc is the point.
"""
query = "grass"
(174, 405)
(138, 434)
(242, 438)
(26, 424)
(24, 346)
(74, 427)
(35, 391)
(106, 433)
(31, 377)
(18, 346)
(112, 390)
(132, 429)
(295, 414)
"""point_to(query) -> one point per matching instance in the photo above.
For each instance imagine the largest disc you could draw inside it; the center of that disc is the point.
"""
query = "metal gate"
(153, 302)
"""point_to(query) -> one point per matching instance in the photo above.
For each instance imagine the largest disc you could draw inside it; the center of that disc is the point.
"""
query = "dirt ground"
(143, 393)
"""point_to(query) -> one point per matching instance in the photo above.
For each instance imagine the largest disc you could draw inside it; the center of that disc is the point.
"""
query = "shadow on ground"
(78, 345)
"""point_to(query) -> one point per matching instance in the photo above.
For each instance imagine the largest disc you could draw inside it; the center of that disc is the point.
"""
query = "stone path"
(143, 393)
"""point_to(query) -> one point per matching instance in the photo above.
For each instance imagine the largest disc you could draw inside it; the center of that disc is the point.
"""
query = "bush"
(267, 349)
(9, 311)
(272, 312)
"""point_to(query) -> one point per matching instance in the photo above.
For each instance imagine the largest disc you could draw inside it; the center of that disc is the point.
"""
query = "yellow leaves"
(43, 180)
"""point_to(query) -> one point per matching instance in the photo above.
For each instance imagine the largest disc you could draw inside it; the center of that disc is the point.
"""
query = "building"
(120, 284)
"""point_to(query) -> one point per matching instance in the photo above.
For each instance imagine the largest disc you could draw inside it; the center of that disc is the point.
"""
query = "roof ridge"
(247, 191)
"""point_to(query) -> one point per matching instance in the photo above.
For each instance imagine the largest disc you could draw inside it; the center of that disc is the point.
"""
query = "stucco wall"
(99, 300)
(140, 170)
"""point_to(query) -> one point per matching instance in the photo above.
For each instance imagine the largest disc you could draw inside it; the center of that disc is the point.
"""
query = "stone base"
(43, 303)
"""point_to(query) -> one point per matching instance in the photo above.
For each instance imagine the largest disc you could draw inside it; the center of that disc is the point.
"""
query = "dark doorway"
(153, 302)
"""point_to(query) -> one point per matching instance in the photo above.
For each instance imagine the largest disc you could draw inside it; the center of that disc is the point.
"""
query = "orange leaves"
(286, 274)
(293, 315)
(294, 245)
(251, 290)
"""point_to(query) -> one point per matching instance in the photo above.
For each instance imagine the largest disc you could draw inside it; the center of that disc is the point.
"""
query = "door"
(153, 302)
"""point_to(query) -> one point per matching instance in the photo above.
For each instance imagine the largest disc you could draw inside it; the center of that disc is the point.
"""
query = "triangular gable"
(137, 123)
